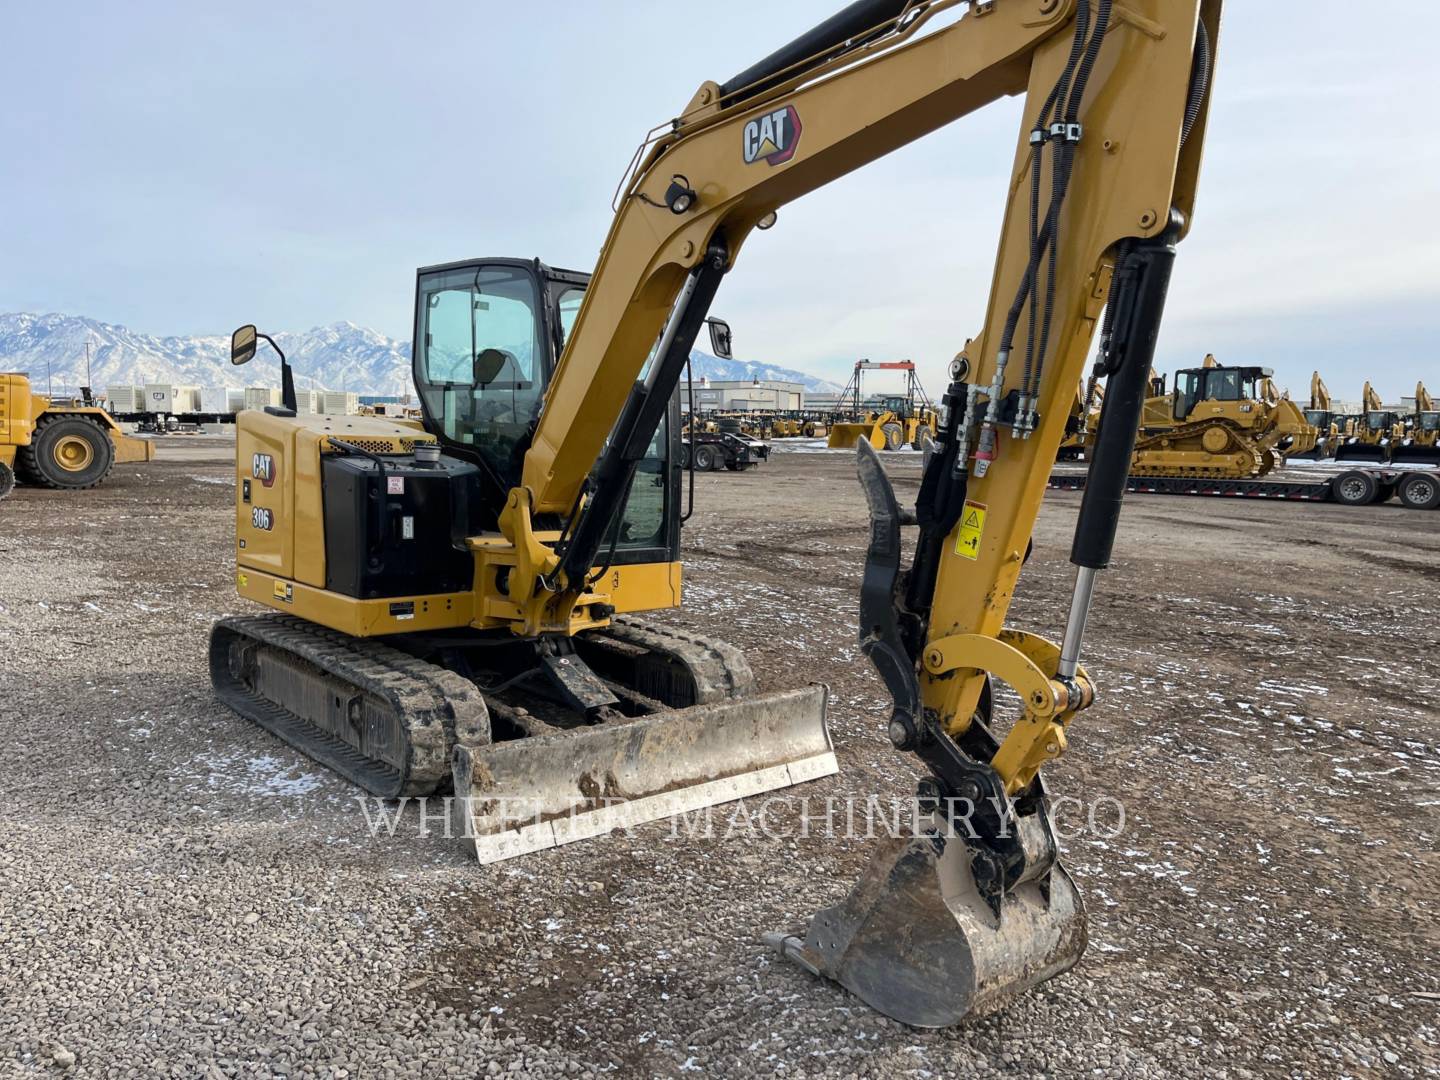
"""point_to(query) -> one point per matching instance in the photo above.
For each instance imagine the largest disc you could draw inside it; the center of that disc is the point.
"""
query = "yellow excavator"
(452, 600)
(59, 443)
(1220, 422)
(1374, 433)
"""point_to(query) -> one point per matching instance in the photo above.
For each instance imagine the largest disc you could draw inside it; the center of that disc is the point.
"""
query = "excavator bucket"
(917, 941)
(848, 434)
(1358, 450)
(957, 917)
(540, 792)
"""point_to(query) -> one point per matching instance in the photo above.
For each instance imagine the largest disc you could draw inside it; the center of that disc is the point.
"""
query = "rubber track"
(719, 669)
(436, 707)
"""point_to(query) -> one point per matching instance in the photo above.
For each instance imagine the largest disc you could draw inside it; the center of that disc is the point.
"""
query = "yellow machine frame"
(855, 110)
(280, 549)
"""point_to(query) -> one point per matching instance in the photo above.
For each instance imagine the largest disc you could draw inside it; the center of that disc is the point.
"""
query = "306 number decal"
(262, 518)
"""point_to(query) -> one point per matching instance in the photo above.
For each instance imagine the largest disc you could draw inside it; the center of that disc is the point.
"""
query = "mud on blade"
(541, 792)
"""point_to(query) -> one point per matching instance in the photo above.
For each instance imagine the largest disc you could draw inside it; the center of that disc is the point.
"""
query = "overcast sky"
(184, 167)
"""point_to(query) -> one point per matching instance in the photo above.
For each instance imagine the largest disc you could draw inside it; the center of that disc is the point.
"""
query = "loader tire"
(7, 480)
(894, 436)
(68, 452)
(1420, 491)
(1355, 488)
(704, 458)
(922, 433)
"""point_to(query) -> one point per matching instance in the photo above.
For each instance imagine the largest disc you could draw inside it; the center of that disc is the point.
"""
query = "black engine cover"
(400, 530)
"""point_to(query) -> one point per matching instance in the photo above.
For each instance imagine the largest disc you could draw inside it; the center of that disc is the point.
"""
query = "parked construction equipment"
(721, 448)
(447, 593)
(1416, 489)
(59, 443)
(1421, 441)
(1330, 426)
(1220, 422)
(1375, 431)
(906, 419)
(1084, 419)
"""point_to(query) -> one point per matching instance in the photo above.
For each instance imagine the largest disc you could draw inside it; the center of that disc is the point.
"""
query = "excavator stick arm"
(1121, 198)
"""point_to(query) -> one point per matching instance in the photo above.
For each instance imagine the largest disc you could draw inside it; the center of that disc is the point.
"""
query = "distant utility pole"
(87, 363)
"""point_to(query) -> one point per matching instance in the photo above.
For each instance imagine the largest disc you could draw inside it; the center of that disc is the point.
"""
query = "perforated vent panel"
(385, 446)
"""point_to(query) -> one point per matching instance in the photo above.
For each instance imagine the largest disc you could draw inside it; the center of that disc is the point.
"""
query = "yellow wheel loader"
(59, 443)
(1330, 426)
(1421, 443)
(1374, 432)
(906, 419)
(454, 601)
(1220, 423)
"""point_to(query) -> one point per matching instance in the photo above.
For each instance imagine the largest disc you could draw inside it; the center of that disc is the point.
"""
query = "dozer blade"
(916, 941)
(553, 789)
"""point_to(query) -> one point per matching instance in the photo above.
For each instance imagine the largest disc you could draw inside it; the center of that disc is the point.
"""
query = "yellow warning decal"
(972, 527)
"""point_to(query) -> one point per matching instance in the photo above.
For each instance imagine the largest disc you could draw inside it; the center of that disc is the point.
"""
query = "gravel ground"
(180, 894)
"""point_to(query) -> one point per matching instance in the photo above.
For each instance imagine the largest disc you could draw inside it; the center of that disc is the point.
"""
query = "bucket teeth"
(916, 941)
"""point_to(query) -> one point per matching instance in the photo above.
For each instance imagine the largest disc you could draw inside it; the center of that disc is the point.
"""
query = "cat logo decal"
(772, 138)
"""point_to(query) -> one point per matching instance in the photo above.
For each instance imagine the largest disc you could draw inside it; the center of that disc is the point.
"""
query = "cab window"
(1187, 392)
(569, 308)
(479, 365)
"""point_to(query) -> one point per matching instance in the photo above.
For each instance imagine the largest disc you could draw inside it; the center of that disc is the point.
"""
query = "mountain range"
(341, 356)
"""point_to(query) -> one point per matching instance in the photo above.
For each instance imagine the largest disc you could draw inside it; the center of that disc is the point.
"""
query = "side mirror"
(720, 338)
(242, 345)
(488, 366)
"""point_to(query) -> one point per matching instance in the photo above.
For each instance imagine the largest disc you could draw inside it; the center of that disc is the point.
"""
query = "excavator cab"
(488, 335)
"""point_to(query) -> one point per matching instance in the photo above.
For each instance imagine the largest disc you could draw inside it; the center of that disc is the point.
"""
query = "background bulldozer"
(57, 443)
(1221, 423)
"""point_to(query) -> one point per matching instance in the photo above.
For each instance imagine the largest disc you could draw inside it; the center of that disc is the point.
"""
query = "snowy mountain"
(342, 356)
(703, 365)
(339, 357)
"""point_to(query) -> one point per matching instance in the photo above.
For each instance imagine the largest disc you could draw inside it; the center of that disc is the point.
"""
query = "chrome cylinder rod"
(1075, 624)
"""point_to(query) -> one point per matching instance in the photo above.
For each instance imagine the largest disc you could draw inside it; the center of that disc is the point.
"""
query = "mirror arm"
(288, 400)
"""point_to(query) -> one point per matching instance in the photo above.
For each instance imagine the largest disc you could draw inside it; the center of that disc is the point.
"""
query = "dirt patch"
(1267, 718)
